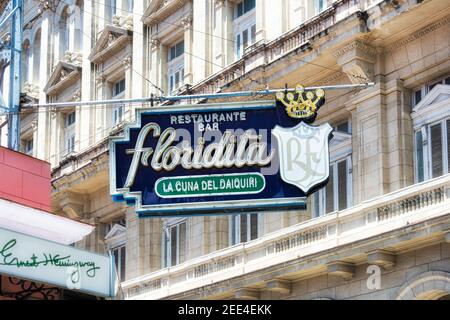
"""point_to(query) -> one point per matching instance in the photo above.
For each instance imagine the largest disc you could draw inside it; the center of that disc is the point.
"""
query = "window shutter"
(122, 263)
(342, 185)
(253, 226)
(436, 150)
(329, 194)
(173, 246)
(243, 228)
(182, 255)
(419, 157)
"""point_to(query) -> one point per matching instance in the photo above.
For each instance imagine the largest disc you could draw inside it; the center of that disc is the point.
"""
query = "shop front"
(38, 257)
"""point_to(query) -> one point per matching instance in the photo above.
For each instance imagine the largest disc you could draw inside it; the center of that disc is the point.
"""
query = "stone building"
(380, 229)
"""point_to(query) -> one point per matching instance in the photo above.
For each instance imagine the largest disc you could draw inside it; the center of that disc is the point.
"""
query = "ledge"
(399, 209)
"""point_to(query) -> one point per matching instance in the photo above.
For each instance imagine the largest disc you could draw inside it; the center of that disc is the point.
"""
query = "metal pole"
(13, 11)
(195, 96)
(15, 77)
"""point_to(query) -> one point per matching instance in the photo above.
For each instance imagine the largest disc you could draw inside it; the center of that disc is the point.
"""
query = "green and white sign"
(52, 263)
(208, 185)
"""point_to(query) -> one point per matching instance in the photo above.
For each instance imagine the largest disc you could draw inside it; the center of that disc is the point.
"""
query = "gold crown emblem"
(301, 104)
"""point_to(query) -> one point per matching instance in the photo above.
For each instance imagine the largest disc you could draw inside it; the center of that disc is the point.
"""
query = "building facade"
(380, 229)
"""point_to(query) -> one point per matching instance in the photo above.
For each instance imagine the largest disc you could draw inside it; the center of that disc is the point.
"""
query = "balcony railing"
(414, 204)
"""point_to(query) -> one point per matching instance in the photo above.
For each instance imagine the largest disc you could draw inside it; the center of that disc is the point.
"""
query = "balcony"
(402, 208)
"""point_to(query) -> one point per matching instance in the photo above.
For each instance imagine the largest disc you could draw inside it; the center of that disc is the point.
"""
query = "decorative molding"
(112, 39)
(246, 294)
(125, 22)
(418, 34)
(77, 96)
(186, 22)
(127, 62)
(63, 76)
(332, 78)
(382, 258)
(341, 269)
(156, 43)
(73, 57)
(31, 89)
(34, 125)
(357, 44)
(281, 286)
(164, 10)
(100, 80)
(219, 3)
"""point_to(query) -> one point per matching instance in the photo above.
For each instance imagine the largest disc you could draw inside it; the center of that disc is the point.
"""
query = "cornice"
(418, 34)
(54, 88)
(168, 8)
(356, 44)
(112, 40)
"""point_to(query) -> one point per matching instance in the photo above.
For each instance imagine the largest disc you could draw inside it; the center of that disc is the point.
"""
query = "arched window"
(77, 20)
(110, 10)
(63, 33)
(36, 56)
(26, 53)
(128, 6)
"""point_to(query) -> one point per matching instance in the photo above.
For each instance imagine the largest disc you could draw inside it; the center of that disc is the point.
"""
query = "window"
(69, 129)
(129, 6)
(111, 9)
(244, 39)
(176, 66)
(432, 150)
(70, 119)
(118, 92)
(243, 7)
(176, 50)
(420, 170)
(244, 26)
(64, 40)
(420, 93)
(343, 127)
(28, 147)
(174, 244)
(119, 87)
(122, 222)
(243, 228)
(319, 5)
(337, 194)
(115, 242)
(117, 114)
(119, 254)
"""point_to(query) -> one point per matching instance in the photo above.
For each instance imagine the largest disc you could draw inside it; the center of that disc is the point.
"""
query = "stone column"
(55, 138)
(275, 11)
(42, 143)
(198, 236)
(188, 48)
(129, 83)
(137, 54)
(218, 233)
(261, 19)
(155, 63)
(399, 151)
(100, 110)
(100, 15)
(143, 245)
(223, 40)
(200, 41)
(84, 135)
(369, 143)
(34, 127)
(71, 26)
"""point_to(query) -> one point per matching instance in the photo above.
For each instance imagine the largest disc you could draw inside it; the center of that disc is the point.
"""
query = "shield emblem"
(303, 153)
